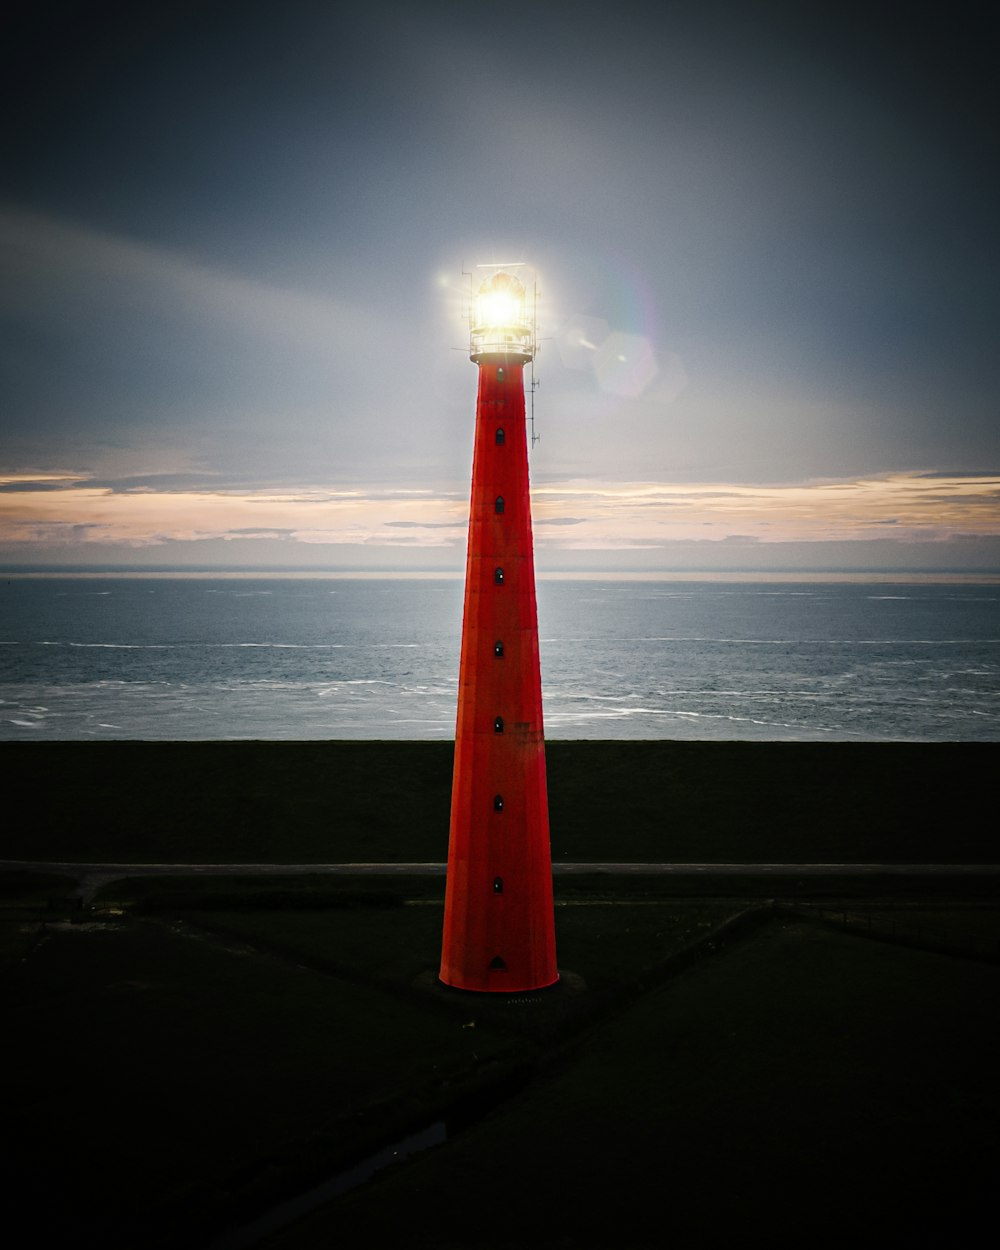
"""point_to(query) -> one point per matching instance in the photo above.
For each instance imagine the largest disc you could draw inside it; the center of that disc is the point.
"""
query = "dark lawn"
(331, 802)
(801, 1087)
(149, 1067)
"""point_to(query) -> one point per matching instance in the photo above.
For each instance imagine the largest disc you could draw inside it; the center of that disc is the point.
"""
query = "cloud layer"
(605, 521)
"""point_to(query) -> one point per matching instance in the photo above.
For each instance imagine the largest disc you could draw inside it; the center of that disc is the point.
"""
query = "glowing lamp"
(500, 322)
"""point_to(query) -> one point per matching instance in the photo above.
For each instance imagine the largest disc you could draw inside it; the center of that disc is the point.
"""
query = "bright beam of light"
(497, 309)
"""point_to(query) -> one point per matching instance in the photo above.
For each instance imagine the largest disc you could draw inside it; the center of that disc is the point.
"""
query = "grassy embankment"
(220, 1046)
(680, 802)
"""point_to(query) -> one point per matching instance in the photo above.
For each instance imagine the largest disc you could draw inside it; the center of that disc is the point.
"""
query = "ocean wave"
(278, 646)
(122, 646)
(701, 639)
(742, 694)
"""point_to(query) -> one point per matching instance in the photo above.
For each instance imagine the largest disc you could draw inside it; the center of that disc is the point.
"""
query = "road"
(91, 876)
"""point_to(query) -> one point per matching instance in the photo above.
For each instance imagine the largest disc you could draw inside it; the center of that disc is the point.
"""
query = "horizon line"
(200, 573)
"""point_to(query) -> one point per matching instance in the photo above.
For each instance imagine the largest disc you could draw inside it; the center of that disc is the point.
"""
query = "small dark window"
(500, 436)
(497, 964)
(498, 504)
(498, 802)
(498, 885)
(500, 375)
(498, 724)
(498, 576)
(498, 649)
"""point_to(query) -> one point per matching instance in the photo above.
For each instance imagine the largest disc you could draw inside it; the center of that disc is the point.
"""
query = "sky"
(232, 245)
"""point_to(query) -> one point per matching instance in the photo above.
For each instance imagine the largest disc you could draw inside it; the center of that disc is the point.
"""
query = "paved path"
(92, 876)
(434, 870)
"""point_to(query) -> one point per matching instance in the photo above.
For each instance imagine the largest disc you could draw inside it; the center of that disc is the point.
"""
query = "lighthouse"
(499, 931)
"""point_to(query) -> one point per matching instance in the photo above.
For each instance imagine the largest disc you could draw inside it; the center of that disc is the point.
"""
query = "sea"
(321, 658)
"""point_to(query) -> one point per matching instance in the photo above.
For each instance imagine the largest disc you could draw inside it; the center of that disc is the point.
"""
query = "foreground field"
(799, 1087)
(190, 1054)
(707, 1069)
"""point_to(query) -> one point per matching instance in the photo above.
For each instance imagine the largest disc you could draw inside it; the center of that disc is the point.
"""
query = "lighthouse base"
(498, 988)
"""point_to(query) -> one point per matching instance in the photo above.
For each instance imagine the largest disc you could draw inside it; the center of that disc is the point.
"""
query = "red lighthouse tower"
(499, 931)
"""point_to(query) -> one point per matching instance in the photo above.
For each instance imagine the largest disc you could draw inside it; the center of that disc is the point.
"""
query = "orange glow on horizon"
(576, 515)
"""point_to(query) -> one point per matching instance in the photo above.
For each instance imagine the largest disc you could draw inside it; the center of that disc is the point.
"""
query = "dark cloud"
(427, 525)
(268, 531)
(988, 499)
(139, 482)
(15, 488)
(963, 473)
